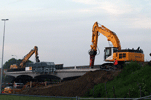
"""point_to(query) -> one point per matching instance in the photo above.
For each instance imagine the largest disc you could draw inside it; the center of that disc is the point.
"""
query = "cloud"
(127, 12)
(141, 22)
(113, 8)
(89, 2)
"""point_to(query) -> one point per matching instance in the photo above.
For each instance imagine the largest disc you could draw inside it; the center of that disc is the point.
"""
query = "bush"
(128, 84)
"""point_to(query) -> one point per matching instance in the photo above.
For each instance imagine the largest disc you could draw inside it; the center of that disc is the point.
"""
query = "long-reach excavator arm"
(111, 36)
(25, 59)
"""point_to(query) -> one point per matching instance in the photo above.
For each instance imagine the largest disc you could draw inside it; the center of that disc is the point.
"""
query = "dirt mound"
(77, 87)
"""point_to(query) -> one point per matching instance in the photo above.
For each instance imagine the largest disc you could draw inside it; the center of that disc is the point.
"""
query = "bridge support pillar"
(45, 83)
(30, 84)
(13, 87)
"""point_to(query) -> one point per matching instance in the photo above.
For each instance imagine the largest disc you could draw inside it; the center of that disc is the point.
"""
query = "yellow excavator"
(115, 52)
(25, 59)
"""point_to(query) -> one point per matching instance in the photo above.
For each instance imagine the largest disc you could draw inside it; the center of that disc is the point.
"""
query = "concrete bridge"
(62, 73)
(57, 74)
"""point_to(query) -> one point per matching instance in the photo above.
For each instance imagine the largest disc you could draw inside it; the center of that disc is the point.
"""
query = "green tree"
(13, 61)
(7, 66)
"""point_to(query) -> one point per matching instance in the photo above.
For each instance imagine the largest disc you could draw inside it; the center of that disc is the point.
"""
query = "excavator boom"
(25, 59)
(111, 36)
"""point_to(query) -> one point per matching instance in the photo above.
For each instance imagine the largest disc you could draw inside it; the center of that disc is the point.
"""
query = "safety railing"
(81, 98)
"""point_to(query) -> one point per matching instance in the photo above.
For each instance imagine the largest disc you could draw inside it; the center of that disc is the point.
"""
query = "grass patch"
(130, 83)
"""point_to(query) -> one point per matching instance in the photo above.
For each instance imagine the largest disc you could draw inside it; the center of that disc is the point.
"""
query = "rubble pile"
(77, 87)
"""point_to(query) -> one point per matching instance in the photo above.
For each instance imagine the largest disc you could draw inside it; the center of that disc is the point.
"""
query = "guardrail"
(80, 98)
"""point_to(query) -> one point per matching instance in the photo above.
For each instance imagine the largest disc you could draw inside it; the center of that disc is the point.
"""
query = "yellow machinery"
(8, 90)
(115, 52)
(25, 59)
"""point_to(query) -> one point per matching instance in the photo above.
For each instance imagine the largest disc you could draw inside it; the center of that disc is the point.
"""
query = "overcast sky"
(62, 29)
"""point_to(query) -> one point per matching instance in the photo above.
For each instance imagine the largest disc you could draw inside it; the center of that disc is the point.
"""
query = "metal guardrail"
(80, 98)
(146, 97)
(42, 96)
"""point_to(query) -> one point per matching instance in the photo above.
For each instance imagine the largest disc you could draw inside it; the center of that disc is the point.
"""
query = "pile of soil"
(77, 87)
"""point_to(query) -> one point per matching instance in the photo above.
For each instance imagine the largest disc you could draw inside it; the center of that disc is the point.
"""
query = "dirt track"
(77, 87)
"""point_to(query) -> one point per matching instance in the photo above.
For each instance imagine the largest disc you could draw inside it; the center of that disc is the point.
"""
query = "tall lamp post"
(2, 53)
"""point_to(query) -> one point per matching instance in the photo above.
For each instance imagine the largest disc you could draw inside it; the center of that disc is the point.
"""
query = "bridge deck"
(62, 73)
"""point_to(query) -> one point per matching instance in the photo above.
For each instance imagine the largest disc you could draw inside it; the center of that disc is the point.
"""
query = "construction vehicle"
(115, 52)
(13, 89)
(8, 90)
(25, 59)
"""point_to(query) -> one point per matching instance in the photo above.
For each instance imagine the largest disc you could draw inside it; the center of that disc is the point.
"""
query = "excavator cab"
(108, 53)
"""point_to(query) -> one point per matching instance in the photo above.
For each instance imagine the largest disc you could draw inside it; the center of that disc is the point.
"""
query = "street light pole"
(2, 53)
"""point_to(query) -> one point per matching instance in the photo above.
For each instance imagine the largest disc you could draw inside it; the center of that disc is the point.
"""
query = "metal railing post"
(105, 90)
(76, 97)
(140, 91)
(114, 92)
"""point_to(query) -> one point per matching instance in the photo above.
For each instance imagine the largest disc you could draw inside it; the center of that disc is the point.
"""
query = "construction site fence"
(81, 98)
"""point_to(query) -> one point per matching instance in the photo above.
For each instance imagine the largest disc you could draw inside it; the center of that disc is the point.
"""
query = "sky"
(62, 29)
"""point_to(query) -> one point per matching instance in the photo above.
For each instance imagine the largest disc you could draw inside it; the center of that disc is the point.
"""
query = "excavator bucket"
(37, 59)
(92, 54)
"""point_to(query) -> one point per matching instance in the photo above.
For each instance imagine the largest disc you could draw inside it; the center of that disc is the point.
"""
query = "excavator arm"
(25, 59)
(111, 36)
